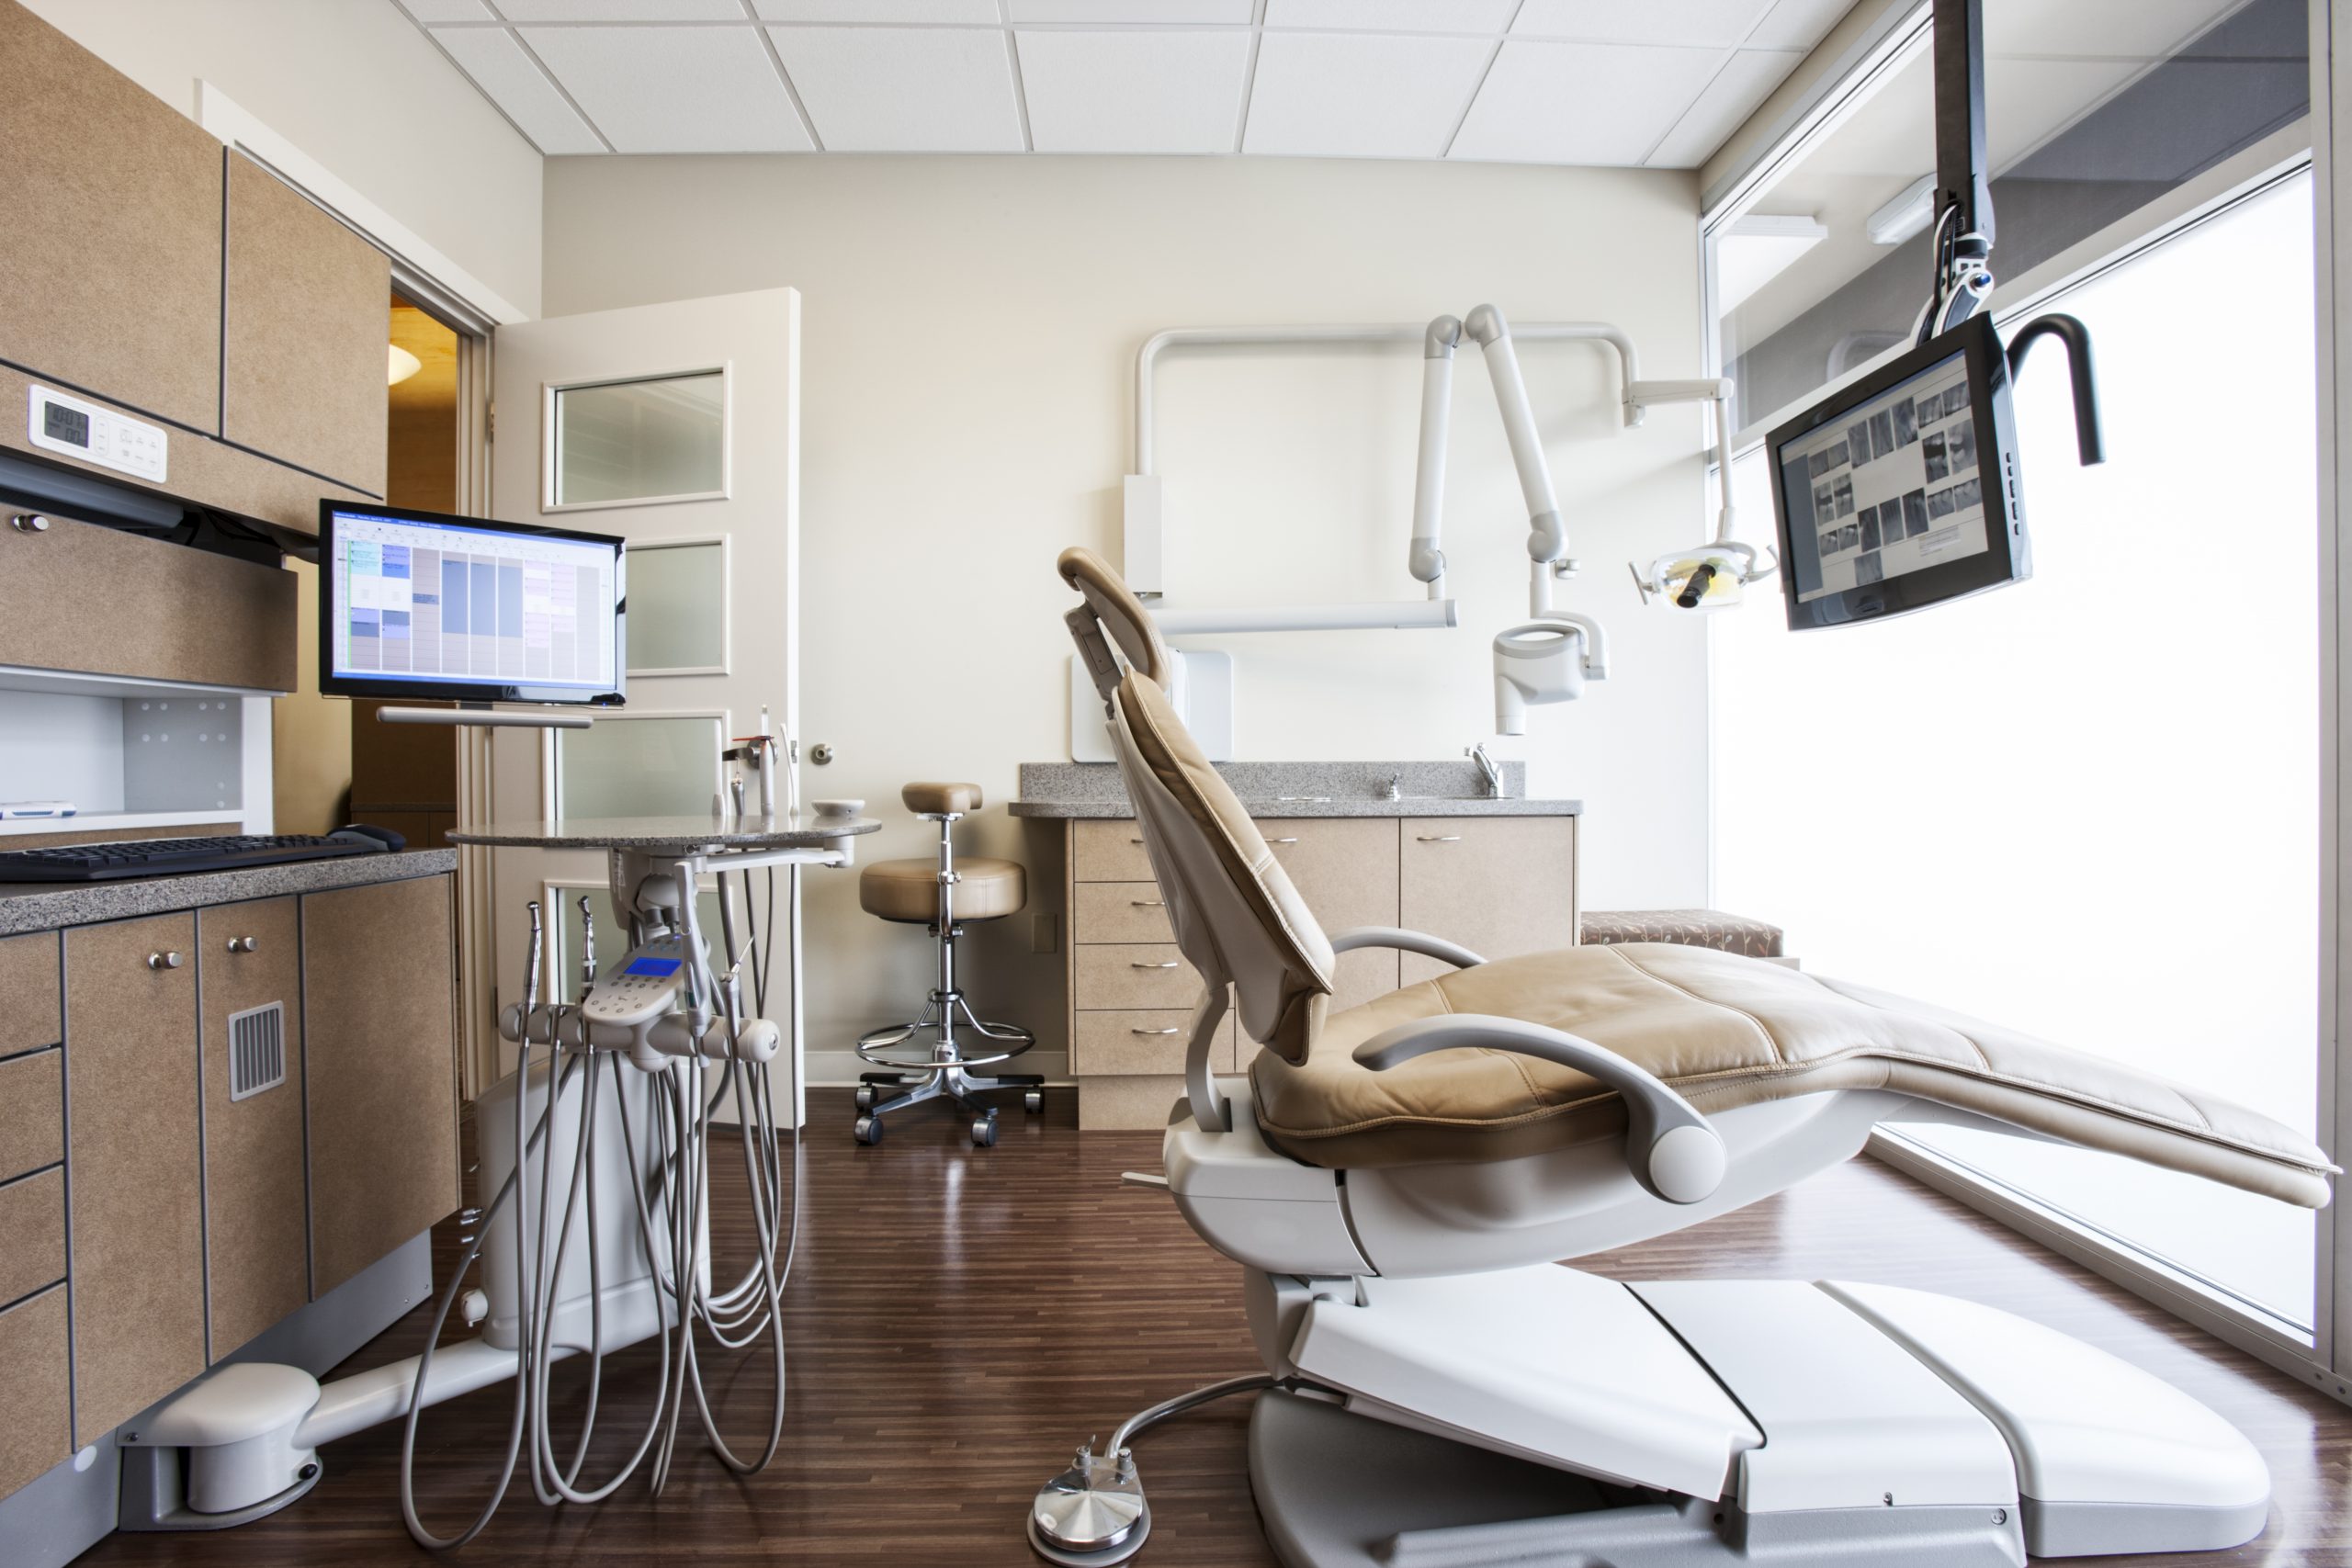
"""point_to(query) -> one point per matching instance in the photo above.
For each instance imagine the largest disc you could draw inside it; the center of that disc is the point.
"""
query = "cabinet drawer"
(35, 1389)
(1135, 975)
(32, 1115)
(170, 612)
(32, 1233)
(1108, 852)
(1498, 886)
(1148, 1040)
(1119, 911)
(31, 1015)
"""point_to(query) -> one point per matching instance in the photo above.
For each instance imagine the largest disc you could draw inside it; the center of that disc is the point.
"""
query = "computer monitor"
(1900, 492)
(424, 606)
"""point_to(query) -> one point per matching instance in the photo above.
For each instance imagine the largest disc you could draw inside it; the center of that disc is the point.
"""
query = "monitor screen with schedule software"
(422, 605)
(1899, 491)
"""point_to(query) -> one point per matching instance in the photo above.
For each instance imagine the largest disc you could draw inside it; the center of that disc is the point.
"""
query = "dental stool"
(925, 1059)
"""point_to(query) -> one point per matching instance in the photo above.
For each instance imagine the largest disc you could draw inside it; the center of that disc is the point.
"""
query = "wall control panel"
(62, 423)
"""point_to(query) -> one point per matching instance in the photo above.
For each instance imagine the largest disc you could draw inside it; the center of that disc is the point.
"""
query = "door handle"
(1172, 963)
(243, 944)
(1440, 837)
(1155, 1031)
(163, 960)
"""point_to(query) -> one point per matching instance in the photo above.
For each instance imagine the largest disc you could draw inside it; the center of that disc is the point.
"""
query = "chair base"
(928, 1062)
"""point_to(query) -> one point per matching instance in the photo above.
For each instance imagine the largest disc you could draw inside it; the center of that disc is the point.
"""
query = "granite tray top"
(46, 906)
(802, 830)
(1094, 790)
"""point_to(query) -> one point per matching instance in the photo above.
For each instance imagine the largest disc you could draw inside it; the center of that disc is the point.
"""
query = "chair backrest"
(1236, 918)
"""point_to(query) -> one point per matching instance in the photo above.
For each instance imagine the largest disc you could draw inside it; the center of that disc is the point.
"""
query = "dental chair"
(1397, 1181)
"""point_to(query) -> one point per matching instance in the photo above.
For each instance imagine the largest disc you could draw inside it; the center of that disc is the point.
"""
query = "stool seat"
(963, 798)
(909, 889)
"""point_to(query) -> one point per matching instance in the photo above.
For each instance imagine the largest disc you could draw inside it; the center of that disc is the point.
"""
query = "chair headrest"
(1117, 611)
(1235, 914)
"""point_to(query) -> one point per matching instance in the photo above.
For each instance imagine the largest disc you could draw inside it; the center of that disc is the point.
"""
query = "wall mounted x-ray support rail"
(1146, 511)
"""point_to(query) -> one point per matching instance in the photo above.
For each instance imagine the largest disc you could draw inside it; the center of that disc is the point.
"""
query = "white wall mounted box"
(56, 422)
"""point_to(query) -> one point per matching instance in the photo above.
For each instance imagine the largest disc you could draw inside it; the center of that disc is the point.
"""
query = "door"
(675, 426)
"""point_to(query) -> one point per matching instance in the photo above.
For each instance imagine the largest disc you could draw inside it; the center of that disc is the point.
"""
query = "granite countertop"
(1094, 790)
(46, 906)
(804, 830)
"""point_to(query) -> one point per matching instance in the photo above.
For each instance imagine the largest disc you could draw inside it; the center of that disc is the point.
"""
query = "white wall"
(356, 88)
(969, 331)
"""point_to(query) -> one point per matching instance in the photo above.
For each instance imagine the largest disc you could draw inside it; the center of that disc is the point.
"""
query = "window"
(628, 443)
(2058, 806)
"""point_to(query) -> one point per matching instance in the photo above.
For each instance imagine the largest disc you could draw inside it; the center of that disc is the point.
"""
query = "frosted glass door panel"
(622, 442)
(638, 767)
(677, 609)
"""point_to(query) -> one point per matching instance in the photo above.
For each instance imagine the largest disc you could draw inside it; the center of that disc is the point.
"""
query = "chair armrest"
(1669, 1147)
(1429, 947)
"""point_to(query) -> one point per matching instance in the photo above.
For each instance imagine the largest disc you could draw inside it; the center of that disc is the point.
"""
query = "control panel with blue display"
(642, 987)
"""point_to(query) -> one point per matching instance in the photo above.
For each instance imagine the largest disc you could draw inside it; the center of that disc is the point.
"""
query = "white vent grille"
(257, 1050)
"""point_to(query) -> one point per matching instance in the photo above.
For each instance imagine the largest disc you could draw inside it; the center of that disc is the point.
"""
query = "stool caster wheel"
(1034, 1100)
(868, 1131)
(984, 1131)
(864, 1096)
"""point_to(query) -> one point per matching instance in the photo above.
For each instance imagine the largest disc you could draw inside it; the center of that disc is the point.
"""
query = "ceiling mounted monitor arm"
(2090, 446)
(1961, 239)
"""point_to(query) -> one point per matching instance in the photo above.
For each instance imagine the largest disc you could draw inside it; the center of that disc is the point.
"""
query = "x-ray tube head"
(1546, 660)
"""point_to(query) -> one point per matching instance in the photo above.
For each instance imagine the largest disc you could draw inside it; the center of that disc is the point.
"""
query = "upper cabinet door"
(110, 203)
(306, 316)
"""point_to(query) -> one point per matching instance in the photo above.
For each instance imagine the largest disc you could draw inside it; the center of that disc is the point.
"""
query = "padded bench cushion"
(1690, 928)
(1729, 1031)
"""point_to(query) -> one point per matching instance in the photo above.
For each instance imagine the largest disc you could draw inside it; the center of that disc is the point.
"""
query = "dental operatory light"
(1712, 575)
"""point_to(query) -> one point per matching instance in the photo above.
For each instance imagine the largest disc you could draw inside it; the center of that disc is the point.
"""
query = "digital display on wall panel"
(428, 601)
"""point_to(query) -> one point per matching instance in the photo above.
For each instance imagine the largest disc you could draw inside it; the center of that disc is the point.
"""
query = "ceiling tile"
(1134, 13)
(1738, 91)
(905, 89)
(1361, 95)
(1694, 23)
(1582, 102)
(1798, 24)
(621, 10)
(1393, 16)
(673, 89)
(935, 12)
(506, 75)
(448, 10)
(1133, 91)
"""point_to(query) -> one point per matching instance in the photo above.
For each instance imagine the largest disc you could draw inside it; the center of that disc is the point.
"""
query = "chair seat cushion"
(909, 889)
(1728, 1030)
(939, 798)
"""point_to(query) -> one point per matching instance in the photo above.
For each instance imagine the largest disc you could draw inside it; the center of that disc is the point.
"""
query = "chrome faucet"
(1396, 789)
(1492, 774)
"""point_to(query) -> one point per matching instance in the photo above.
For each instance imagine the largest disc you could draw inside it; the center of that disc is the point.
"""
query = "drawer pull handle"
(1155, 1031)
(1134, 840)
(1172, 963)
(1146, 903)
(1282, 840)
(1440, 838)
(163, 960)
(243, 944)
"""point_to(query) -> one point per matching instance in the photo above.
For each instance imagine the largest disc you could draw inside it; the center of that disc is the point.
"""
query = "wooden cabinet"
(35, 1388)
(110, 277)
(171, 613)
(305, 310)
(256, 1230)
(1498, 886)
(380, 1032)
(135, 1157)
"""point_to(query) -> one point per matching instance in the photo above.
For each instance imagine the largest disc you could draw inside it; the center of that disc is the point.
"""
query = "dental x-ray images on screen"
(1893, 488)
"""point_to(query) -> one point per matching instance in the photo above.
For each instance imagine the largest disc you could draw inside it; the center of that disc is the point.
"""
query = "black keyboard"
(166, 857)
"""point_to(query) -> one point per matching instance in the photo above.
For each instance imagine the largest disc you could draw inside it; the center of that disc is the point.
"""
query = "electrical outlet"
(1042, 935)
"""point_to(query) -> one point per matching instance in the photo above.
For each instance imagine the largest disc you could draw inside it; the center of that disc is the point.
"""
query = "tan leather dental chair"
(927, 1058)
(1397, 1181)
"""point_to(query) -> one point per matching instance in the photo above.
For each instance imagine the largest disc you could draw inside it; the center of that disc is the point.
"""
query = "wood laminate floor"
(960, 1318)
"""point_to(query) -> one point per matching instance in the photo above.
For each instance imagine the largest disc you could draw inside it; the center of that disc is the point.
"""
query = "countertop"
(46, 906)
(1269, 790)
